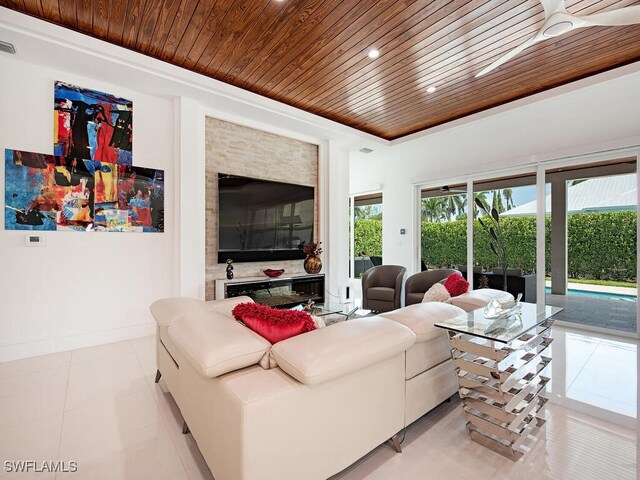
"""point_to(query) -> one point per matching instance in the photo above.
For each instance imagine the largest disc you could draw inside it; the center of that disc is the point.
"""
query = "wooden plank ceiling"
(312, 54)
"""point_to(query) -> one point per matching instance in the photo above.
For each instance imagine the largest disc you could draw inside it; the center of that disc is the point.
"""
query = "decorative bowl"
(273, 273)
(498, 309)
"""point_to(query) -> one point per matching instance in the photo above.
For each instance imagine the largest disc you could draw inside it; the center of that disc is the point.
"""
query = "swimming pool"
(610, 296)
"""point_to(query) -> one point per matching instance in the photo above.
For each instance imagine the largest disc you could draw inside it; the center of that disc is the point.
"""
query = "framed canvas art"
(48, 192)
(92, 125)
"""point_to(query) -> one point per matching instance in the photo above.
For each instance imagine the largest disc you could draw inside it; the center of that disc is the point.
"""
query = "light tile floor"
(100, 407)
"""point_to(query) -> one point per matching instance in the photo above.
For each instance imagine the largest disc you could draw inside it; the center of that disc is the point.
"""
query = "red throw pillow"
(456, 284)
(272, 323)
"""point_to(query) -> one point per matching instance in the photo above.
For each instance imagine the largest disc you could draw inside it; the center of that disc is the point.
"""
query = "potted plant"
(490, 221)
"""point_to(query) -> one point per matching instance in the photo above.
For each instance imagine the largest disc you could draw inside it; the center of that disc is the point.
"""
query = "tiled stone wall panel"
(238, 150)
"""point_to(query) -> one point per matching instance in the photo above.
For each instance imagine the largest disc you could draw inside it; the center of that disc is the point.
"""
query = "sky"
(522, 195)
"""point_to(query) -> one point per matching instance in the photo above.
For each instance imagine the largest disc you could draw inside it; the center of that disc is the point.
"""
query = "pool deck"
(607, 313)
(599, 288)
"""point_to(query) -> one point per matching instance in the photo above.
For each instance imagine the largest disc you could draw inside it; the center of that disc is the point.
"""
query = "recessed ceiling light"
(431, 89)
(373, 53)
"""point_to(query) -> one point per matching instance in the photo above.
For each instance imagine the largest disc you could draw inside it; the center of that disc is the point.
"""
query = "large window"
(504, 235)
(443, 227)
(587, 215)
(592, 218)
(367, 233)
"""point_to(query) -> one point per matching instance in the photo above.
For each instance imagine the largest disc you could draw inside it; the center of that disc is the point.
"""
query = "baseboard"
(73, 342)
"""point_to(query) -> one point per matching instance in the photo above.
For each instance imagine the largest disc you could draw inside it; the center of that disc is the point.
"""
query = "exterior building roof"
(600, 194)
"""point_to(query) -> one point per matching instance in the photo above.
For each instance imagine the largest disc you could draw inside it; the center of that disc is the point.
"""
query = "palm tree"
(461, 203)
(462, 207)
(497, 201)
(479, 197)
(507, 193)
(364, 212)
(454, 205)
(434, 209)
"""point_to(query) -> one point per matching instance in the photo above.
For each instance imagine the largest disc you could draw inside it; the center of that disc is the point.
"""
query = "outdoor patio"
(613, 314)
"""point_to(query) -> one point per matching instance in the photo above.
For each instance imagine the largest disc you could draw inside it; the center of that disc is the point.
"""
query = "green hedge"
(601, 245)
(367, 236)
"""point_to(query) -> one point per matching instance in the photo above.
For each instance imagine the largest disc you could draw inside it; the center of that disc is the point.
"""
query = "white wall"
(597, 114)
(86, 289)
(79, 288)
(336, 206)
(65, 295)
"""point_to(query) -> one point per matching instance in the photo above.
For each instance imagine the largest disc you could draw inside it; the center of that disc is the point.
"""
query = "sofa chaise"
(305, 407)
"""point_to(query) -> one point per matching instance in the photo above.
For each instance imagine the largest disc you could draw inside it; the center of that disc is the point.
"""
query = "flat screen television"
(261, 220)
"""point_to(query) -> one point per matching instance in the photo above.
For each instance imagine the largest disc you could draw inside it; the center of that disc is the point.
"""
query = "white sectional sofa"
(335, 394)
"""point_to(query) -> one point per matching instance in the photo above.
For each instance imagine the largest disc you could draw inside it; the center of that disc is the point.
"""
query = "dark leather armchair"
(418, 284)
(382, 287)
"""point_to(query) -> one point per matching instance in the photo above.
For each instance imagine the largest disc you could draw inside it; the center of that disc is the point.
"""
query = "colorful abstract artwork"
(47, 192)
(92, 125)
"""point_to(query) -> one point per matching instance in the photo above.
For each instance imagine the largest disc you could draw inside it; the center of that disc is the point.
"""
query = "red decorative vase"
(313, 265)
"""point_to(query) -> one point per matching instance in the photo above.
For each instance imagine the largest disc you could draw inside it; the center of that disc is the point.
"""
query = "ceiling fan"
(558, 22)
(447, 189)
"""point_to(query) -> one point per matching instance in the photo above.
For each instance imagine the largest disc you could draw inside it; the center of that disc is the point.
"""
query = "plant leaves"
(481, 205)
(493, 247)
(492, 232)
(494, 214)
(481, 223)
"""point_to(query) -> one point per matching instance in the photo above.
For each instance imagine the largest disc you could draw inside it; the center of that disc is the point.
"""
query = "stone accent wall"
(239, 150)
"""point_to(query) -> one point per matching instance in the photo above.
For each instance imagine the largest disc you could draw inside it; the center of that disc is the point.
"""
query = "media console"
(281, 292)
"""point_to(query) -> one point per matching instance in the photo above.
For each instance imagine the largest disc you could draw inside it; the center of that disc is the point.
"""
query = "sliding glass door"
(504, 235)
(366, 248)
(561, 233)
(443, 227)
(592, 216)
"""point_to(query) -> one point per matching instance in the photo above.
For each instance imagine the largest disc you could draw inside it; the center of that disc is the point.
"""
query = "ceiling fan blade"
(447, 189)
(552, 6)
(510, 55)
(621, 16)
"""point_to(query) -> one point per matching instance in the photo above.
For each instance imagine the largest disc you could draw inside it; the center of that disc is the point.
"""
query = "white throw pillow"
(437, 293)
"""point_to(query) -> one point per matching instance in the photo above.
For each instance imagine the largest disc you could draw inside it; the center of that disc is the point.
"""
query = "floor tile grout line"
(139, 365)
(567, 387)
(100, 358)
(164, 421)
(72, 351)
(38, 370)
(64, 409)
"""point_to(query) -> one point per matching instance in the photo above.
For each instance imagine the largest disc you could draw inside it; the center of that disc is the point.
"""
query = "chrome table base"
(502, 388)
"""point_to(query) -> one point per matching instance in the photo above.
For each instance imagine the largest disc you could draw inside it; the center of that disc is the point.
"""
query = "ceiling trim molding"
(546, 95)
(603, 151)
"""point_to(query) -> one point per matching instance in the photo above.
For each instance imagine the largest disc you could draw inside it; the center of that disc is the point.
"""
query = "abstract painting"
(92, 125)
(43, 192)
(141, 192)
(47, 192)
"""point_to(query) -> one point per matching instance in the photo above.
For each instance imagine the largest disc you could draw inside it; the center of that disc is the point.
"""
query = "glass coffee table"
(499, 365)
(331, 312)
(330, 308)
